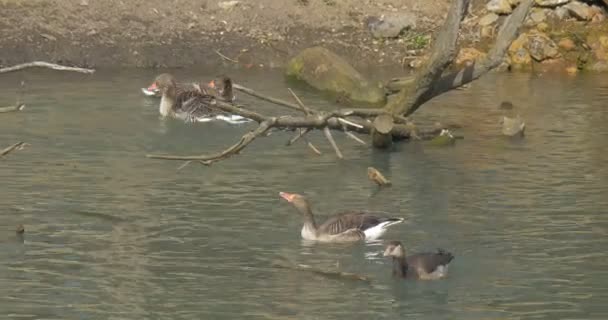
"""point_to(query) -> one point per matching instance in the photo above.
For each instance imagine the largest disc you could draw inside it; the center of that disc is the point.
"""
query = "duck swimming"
(424, 266)
(344, 227)
(189, 103)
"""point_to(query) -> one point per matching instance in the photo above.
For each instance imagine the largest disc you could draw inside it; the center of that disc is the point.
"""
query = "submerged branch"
(12, 108)
(44, 64)
(11, 148)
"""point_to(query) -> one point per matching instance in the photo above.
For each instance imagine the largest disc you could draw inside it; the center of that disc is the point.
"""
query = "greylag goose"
(425, 266)
(191, 104)
(343, 227)
(223, 86)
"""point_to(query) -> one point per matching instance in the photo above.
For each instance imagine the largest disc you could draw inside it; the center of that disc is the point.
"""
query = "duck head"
(394, 249)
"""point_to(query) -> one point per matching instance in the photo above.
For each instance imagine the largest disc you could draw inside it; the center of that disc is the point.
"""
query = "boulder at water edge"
(326, 71)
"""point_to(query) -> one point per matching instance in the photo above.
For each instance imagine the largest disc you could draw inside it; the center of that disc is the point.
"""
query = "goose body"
(191, 103)
(424, 266)
(344, 227)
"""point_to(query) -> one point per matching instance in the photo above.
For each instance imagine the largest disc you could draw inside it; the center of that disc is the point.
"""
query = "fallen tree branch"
(234, 149)
(11, 148)
(43, 64)
(442, 54)
(507, 33)
(258, 95)
(333, 143)
(12, 108)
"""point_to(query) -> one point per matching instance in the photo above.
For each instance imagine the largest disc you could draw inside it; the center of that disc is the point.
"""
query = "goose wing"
(429, 262)
(359, 220)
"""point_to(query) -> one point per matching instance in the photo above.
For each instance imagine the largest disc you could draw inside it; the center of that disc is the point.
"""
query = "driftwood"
(285, 264)
(389, 123)
(43, 64)
(377, 177)
(9, 149)
(12, 108)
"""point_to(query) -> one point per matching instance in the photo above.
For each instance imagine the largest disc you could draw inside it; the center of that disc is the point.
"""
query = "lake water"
(111, 234)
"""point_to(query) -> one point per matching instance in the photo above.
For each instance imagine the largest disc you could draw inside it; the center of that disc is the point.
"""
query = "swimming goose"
(344, 227)
(425, 266)
(223, 86)
(191, 104)
(512, 124)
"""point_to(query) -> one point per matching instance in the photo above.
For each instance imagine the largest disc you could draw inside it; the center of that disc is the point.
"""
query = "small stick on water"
(352, 136)
(325, 273)
(7, 150)
(44, 64)
(224, 57)
(344, 121)
(304, 109)
(332, 142)
(312, 146)
(299, 135)
(18, 107)
(375, 176)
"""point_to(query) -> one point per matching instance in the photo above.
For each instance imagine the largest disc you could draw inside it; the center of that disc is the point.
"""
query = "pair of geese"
(194, 102)
(354, 226)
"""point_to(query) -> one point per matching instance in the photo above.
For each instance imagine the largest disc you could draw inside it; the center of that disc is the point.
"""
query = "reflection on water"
(111, 234)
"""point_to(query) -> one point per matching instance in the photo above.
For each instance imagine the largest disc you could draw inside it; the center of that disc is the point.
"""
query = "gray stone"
(513, 127)
(551, 3)
(499, 6)
(562, 13)
(488, 19)
(326, 71)
(580, 11)
(391, 25)
(538, 16)
(541, 47)
(600, 66)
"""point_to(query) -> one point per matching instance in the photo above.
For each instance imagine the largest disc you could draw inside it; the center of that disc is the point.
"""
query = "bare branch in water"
(12, 108)
(43, 64)
(9, 149)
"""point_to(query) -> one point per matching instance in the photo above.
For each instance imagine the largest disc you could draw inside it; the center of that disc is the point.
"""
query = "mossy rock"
(328, 72)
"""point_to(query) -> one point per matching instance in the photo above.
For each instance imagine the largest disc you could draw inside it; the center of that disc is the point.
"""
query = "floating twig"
(43, 64)
(16, 146)
(224, 57)
(12, 108)
(375, 176)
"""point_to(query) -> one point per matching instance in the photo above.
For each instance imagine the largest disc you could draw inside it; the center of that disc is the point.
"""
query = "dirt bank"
(152, 33)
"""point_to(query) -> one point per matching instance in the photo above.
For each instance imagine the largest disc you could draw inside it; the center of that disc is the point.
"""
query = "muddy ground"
(161, 33)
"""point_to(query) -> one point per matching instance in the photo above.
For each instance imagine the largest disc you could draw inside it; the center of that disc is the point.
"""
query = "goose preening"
(425, 266)
(189, 103)
(223, 86)
(343, 227)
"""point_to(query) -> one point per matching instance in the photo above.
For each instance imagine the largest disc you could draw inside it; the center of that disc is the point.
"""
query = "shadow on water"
(113, 234)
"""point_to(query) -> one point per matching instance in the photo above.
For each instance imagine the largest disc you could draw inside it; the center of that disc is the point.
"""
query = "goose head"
(394, 249)
(165, 83)
(223, 85)
(296, 200)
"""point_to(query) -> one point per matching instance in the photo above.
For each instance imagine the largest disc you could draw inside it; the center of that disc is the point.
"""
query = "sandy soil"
(175, 33)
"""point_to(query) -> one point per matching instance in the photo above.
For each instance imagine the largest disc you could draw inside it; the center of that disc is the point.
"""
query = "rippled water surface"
(111, 234)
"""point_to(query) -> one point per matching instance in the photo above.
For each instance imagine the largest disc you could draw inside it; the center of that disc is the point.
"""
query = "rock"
(579, 10)
(599, 66)
(541, 47)
(562, 13)
(468, 55)
(488, 19)
(518, 54)
(597, 14)
(542, 27)
(445, 138)
(514, 3)
(551, 3)
(228, 4)
(572, 70)
(487, 31)
(567, 44)
(538, 16)
(513, 127)
(326, 71)
(499, 6)
(391, 25)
